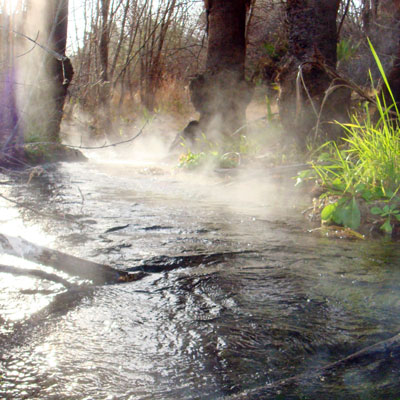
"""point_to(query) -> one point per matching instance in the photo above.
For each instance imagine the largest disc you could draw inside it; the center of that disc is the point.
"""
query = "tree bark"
(393, 75)
(221, 94)
(59, 66)
(10, 131)
(105, 87)
(312, 35)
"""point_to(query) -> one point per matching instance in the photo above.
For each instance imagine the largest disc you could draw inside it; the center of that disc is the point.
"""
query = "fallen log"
(386, 349)
(35, 273)
(99, 274)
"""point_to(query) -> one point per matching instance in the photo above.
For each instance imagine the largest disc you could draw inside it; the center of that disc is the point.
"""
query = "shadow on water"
(236, 295)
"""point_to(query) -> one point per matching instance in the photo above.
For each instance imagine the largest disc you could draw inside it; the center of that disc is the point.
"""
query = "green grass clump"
(366, 167)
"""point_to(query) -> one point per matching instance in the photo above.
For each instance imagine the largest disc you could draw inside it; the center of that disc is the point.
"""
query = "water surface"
(238, 293)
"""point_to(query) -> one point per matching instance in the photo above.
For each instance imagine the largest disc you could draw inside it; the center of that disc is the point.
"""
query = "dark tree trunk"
(393, 78)
(60, 67)
(312, 35)
(222, 94)
(104, 88)
(393, 75)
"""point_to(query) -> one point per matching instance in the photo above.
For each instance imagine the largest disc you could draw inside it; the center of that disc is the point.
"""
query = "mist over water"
(237, 295)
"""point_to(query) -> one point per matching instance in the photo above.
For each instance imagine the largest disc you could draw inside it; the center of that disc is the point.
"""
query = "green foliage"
(218, 155)
(346, 50)
(389, 212)
(270, 49)
(191, 160)
(37, 147)
(343, 212)
(366, 166)
(275, 51)
(246, 146)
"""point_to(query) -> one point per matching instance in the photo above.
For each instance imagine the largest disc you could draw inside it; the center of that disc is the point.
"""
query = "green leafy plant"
(366, 167)
(191, 160)
(389, 212)
(343, 212)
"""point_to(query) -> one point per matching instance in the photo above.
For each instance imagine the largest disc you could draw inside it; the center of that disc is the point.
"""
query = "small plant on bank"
(190, 160)
(216, 154)
(389, 212)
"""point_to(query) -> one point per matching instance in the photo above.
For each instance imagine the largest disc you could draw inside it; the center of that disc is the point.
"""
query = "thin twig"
(58, 56)
(335, 76)
(97, 147)
(346, 10)
(131, 139)
(301, 77)
(249, 123)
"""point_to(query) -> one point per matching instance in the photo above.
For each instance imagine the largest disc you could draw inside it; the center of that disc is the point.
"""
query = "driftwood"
(99, 274)
(386, 349)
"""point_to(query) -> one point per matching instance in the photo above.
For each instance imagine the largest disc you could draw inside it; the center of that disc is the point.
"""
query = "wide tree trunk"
(59, 66)
(221, 94)
(312, 35)
(43, 101)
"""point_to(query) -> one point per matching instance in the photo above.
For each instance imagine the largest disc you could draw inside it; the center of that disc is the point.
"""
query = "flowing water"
(237, 293)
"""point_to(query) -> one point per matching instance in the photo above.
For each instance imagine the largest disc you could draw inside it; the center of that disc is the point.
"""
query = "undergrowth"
(248, 142)
(364, 169)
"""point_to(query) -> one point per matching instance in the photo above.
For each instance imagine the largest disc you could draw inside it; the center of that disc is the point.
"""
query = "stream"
(237, 293)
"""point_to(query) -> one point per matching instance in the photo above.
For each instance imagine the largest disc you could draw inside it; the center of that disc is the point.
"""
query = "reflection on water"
(246, 298)
(21, 296)
(11, 224)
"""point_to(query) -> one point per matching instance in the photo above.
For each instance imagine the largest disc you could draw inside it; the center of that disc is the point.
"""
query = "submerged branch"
(99, 274)
(389, 348)
(35, 273)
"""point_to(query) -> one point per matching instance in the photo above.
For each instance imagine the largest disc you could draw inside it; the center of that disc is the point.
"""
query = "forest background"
(134, 58)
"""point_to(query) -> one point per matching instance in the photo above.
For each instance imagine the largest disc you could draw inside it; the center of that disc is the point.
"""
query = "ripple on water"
(211, 325)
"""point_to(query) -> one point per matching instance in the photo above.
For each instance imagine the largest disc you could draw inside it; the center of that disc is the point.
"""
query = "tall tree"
(104, 89)
(59, 65)
(312, 37)
(10, 130)
(154, 42)
(221, 94)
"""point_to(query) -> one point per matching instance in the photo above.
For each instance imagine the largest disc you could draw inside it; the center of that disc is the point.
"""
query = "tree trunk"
(312, 45)
(222, 94)
(105, 88)
(60, 67)
(393, 76)
(10, 131)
